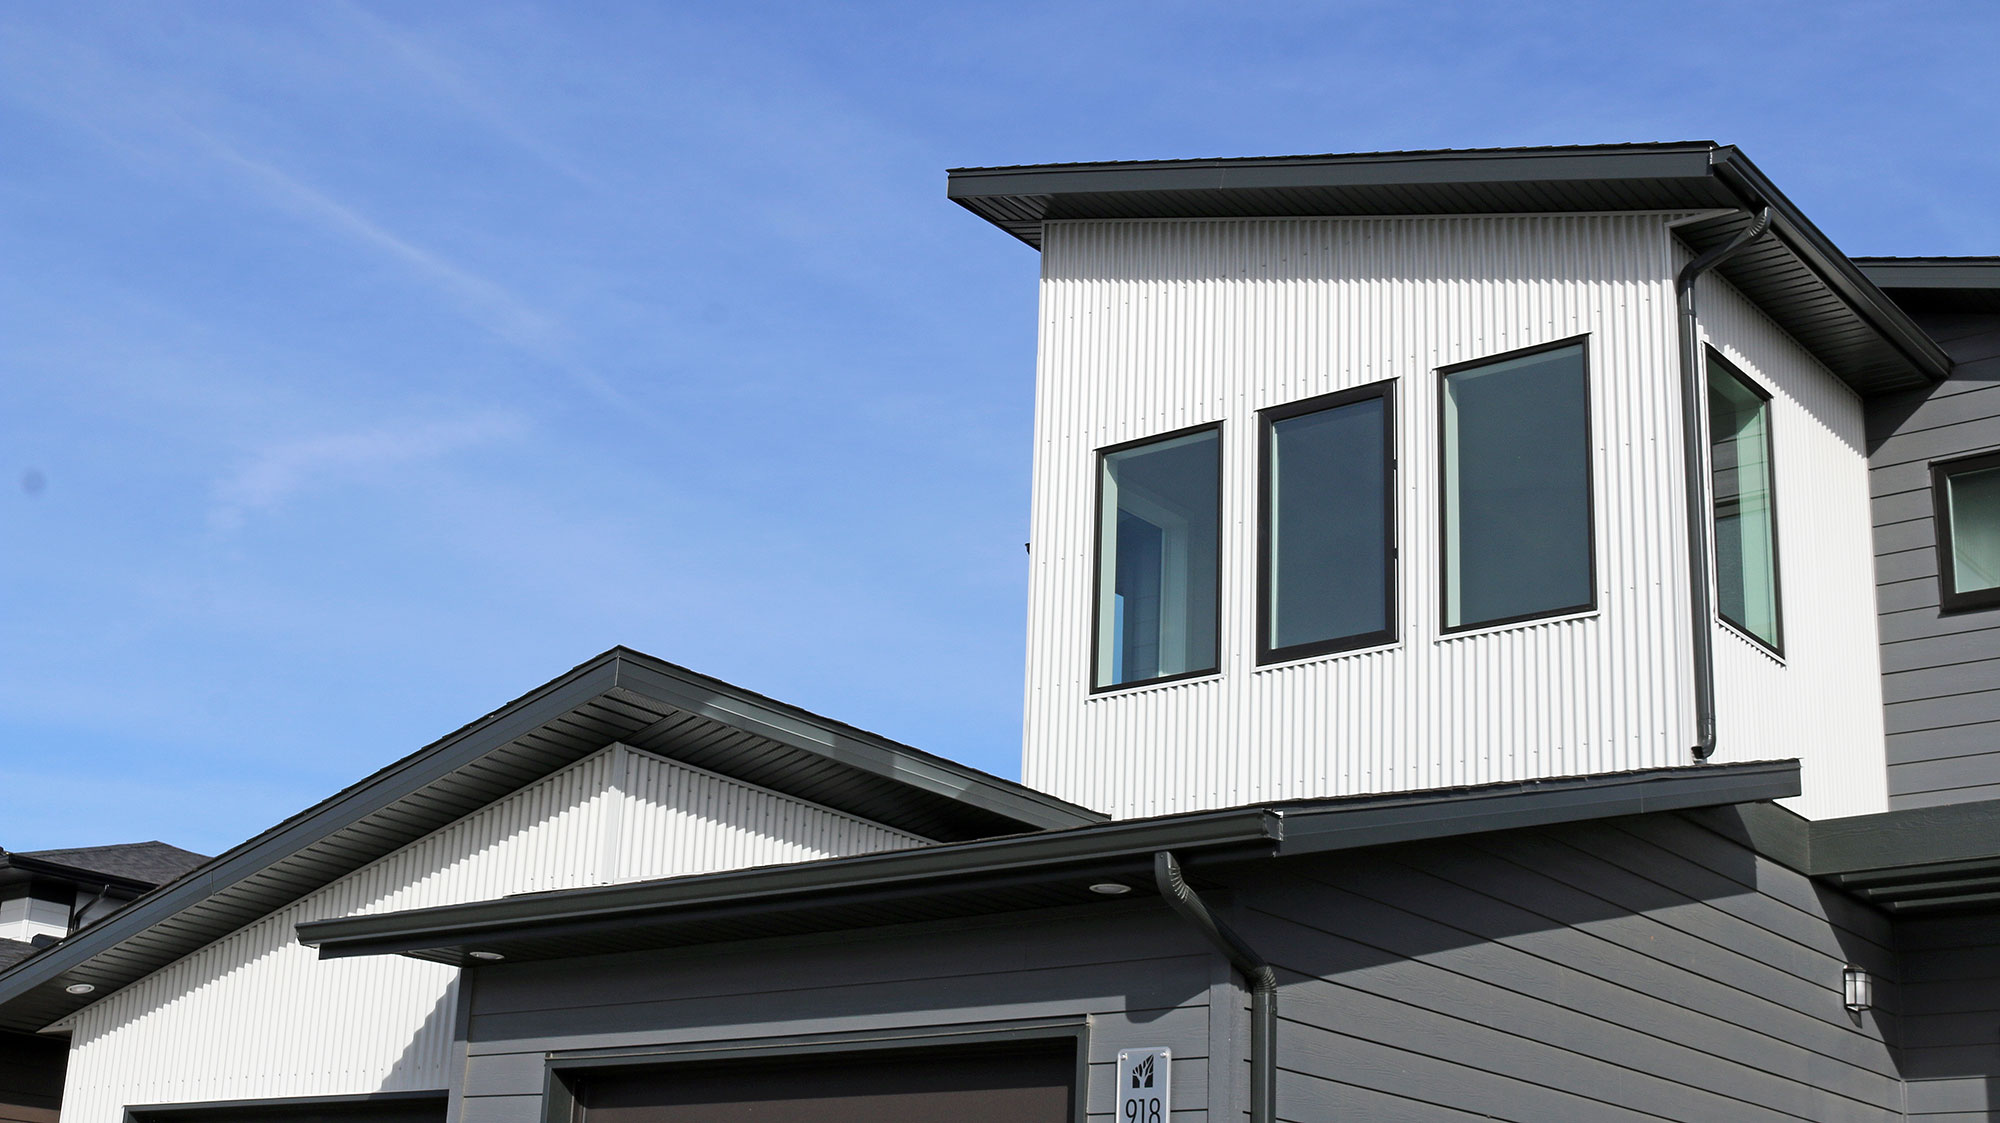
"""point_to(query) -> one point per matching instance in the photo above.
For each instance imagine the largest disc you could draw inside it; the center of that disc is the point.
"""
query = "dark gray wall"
(31, 1077)
(1940, 674)
(1628, 970)
(1144, 977)
(1638, 969)
(1951, 1017)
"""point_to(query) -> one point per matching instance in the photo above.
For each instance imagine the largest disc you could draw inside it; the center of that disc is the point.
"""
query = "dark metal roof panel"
(618, 695)
(1796, 275)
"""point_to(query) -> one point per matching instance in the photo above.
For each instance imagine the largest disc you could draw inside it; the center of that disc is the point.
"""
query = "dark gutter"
(28, 864)
(1212, 838)
(1836, 269)
(1242, 831)
(1441, 167)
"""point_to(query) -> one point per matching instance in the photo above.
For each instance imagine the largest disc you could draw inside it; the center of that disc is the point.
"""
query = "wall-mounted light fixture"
(1858, 989)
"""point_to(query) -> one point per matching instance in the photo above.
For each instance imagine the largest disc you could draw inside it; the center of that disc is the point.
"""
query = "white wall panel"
(1150, 326)
(1822, 702)
(256, 1014)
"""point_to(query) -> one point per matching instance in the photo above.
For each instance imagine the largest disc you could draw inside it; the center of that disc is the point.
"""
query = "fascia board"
(295, 834)
(1538, 804)
(1240, 830)
(1366, 170)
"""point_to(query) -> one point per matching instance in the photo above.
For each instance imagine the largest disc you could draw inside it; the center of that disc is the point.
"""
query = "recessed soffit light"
(1110, 888)
(80, 988)
(488, 956)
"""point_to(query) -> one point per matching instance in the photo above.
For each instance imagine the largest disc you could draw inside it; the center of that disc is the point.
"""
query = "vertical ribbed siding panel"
(257, 1015)
(1823, 701)
(682, 820)
(1149, 326)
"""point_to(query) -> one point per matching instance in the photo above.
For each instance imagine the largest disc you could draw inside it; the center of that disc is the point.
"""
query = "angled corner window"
(1966, 494)
(1516, 477)
(1158, 558)
(1328, 525)
(1746, 521)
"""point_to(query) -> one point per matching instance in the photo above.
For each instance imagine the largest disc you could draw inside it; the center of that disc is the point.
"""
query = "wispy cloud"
(277, 472)
(449, 80)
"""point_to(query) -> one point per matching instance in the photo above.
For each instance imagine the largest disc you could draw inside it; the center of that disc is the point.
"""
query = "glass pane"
(1516, 489)
(1157, 560)
(1975, 529)
(1746, 546)
(1327, 504)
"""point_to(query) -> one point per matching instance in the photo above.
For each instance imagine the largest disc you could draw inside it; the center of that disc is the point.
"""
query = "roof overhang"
(620, 696)
(1937, 283)
(1918, 861)
(1796, 274)
(1047, 870)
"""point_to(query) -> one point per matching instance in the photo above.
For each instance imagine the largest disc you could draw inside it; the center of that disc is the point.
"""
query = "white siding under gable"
(258, 1015)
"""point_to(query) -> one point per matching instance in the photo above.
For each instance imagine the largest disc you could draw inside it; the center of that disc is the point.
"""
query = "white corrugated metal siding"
(1150, 326)
(1823, 701)
(256, 1014)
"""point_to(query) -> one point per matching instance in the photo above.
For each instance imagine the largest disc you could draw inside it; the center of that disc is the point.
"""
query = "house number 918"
(1144, 1089)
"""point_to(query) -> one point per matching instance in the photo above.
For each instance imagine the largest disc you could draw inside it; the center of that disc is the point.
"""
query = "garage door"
(959, 1086)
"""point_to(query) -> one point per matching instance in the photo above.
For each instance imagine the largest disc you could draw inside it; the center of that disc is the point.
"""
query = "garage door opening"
(1030, 1082)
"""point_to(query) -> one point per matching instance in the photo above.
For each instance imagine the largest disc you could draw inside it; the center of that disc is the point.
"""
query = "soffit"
(1795, 274)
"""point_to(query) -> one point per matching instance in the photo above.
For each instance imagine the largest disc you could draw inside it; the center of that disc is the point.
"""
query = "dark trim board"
(1004, 875)
(379, 1107)
(620, 696)
(559, 1102)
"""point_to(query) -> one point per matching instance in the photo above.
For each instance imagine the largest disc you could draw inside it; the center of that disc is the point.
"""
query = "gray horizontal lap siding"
(1637, 969)
(1941, 674)
(1140, 975)
(1951, 1002)
(1627, 969)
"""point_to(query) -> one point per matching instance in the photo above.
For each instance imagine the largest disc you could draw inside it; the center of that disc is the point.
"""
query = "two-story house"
(1512, 634)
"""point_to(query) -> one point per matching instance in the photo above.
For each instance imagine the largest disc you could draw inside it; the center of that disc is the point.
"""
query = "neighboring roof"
(1917, 861)
(1937, 283)
(14, 951)
(139, 864)
(1002, 875)
(620, 696)
(1796, 275)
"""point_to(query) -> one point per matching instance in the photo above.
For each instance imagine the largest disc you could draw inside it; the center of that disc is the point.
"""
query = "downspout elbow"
(1263, 981)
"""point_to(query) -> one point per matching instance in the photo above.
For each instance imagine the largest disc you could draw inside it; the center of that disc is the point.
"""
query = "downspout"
(1258, 974)
(1695, 458)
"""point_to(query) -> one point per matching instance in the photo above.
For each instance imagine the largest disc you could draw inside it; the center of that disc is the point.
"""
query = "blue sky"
(363, 366)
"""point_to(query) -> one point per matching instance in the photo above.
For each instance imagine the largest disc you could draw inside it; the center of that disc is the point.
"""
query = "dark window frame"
(1266, 418)
(561, 1070)
(1949, 600)
(1712, 360)
(1582, 344)
(1097, 555)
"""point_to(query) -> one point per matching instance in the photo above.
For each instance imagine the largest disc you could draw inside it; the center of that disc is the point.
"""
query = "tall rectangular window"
(1516, 503)
(1967, 498)
(1328, 525)
(1746, 522)
(1158, 558)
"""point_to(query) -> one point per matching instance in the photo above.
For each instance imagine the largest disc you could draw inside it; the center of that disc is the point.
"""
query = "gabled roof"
(1796, 275)
(620, 696)
(134, 864)
(1048, 869)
